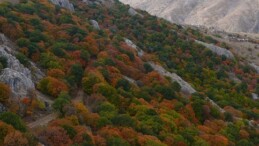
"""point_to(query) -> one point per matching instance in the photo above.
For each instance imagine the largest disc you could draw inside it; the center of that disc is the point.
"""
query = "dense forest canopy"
(125, 100)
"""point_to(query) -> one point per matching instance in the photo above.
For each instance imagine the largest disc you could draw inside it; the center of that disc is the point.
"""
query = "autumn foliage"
(107, 93)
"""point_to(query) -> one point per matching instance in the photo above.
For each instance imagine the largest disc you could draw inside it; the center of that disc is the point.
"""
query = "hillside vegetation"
(134, 80)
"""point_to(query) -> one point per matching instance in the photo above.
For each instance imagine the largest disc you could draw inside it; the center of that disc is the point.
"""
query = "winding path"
(47, 118)
(42, 121)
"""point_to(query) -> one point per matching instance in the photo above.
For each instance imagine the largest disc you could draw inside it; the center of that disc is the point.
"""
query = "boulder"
(95, 24)
(255, 96)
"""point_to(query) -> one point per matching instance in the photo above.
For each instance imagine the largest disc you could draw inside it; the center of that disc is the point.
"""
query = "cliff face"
(229, 15)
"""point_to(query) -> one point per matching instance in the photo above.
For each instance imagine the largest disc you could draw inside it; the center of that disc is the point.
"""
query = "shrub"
(70, 131)
(107, 110)
(52, 86)
(22, 59)
(14, 120)
(77, 72)
(148, 67)
(88, 83)
(123, 120)
(124, 84)
(59, 103)
(117, 141)
(23, 42)
(3, 61)
(5, 92)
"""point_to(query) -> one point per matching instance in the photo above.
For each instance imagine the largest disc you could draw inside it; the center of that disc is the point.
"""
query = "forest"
(125, 101)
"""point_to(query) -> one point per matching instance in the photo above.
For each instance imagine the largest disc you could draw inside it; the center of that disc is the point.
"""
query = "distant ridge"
(228, 15)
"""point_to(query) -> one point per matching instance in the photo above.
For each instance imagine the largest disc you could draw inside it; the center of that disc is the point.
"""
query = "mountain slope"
(229, 15)
(122, 77)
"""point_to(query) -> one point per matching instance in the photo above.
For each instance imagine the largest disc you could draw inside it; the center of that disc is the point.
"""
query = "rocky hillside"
(98, 72)
(228, 15)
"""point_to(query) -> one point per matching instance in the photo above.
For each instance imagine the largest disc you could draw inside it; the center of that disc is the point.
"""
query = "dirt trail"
(42, 121)
(47, 118)
(79, 96)
(44, 98)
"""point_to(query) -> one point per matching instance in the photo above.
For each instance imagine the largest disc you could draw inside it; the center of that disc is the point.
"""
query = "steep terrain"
(113, 75)
(228, 15)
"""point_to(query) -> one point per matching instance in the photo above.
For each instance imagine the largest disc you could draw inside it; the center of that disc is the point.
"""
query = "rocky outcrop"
(133, 12)
(234, 78)
(255, 96)
(64, 3)
(12, 62)
(4, 41)
(132, 45)
(95, 24)
(20, 78)
(107, 3)
(255, 67)
(218, 50)
(185, 87)
(130, 80)
(17, 76)
(215, 105)
(18, 82)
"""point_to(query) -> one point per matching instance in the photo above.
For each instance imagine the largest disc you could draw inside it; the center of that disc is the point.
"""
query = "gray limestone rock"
(132, 45)
(12, 62)
(18, 82)
(95, 24)
(6, 42)
(255, 67)
(130, 80)
(64, 3)
(218, 50)
(185, 87)
(255, 96)
(17, 76)
(108, 3)
(133, 12)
